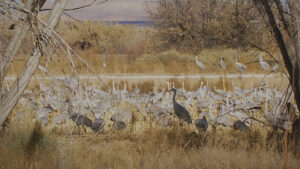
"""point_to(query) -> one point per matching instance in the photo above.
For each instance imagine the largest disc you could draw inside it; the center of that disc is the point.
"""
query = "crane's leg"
(78, 129)
(84, 129)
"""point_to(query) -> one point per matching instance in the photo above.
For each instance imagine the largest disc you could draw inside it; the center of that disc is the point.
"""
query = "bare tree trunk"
(16, 40)
(10, 99)
(295, 12)
(291, 59)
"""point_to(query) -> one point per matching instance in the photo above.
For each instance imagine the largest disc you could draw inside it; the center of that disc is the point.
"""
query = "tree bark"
(10, 99)
(295, 12)
(16, 40)
(291, 59)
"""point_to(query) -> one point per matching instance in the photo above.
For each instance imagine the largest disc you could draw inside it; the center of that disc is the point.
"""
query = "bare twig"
(80, 7)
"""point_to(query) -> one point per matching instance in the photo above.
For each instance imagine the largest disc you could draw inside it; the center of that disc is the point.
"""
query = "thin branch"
(70, 16)
(239, 109)
(80, 7)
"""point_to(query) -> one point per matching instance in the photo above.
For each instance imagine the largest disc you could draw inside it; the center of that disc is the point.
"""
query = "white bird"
(168, 85)
(199, 64)
(43, 69)
(275, 68)
(136, 90)
(264, 65)
(239, 66)
(104, 65)
(222, 63)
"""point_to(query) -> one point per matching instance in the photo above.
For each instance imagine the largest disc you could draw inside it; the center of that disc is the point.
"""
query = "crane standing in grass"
(78, 119)
(222, 63)
(180, 111)
(200, 64)
(201, 124)
(264, 65)
(223, 66)
(239, 125)
(240, 67)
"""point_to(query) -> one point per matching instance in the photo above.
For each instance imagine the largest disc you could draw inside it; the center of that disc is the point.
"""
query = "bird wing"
(181, 112)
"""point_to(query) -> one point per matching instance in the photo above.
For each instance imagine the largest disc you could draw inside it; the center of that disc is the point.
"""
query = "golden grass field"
(26, 144)
(131, 51)
(33, 147)
(165, 63)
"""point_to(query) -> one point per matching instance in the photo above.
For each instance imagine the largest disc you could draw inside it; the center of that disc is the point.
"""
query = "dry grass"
(175, 148)
(130, 50)
(168, 62)
(25, 145)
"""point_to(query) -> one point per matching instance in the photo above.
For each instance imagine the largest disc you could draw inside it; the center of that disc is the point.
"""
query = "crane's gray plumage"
(179, 110)
(275, 68)
(239, 125)
(97, 125)
(263, 64)
(222, 63)
(118, 125)
(200, 64)
(201, 124)
(78, 119)
(239, 66)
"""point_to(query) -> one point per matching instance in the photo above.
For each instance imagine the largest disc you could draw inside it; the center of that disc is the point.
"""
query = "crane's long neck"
(174, 96)
(69, 108)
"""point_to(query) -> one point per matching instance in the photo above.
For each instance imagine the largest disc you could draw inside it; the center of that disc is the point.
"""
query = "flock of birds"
(240, 67)
(214, 107)
(209, 107)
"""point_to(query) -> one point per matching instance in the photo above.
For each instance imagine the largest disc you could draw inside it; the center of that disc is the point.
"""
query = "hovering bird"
(200, 64)
(222, 64)
(201, 124)
(264, 65)
(179, 110)
(239, 125)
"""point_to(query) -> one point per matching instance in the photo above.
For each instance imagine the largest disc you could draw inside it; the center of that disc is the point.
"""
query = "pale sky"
(113, 10)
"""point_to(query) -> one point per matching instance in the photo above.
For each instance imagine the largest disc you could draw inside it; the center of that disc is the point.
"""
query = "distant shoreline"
(138, 23)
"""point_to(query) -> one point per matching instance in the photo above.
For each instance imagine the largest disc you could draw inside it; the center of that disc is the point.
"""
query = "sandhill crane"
(60, 119)
(97, 125)
(42, 69)
(136, 90)
(264, 65)
(43, 114)
(274, 68)
(222, 64)
(239, 125)
(118, 125)
(179, 110)
(81, 120)
(201, 124)
(239, 66)
(200, 64)
(168, 85)
(78, 119)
